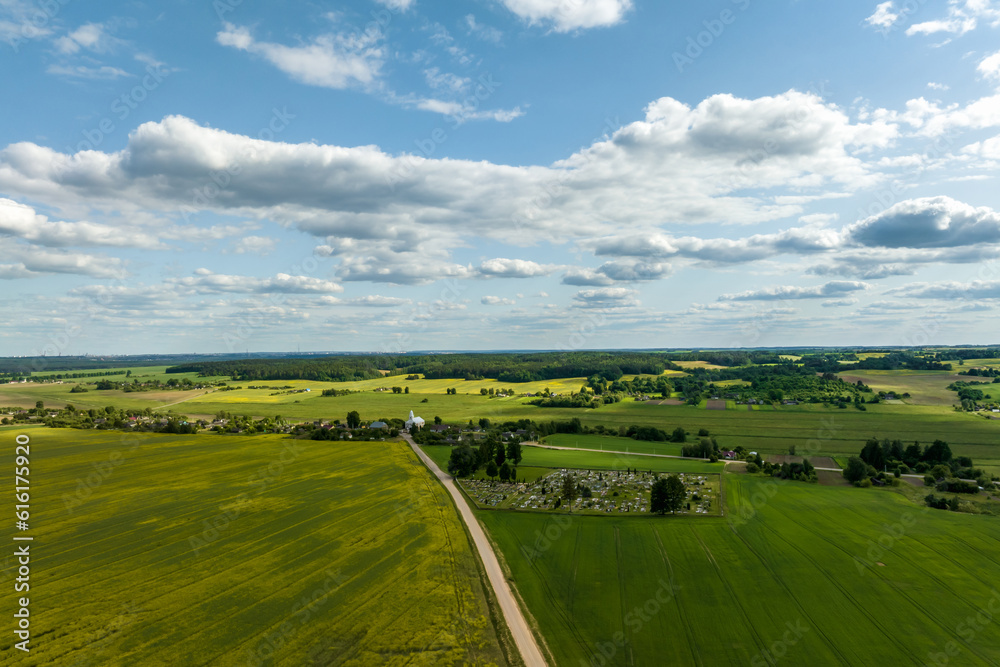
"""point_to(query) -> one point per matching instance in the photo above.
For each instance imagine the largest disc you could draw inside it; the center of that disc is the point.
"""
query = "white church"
(414, 421)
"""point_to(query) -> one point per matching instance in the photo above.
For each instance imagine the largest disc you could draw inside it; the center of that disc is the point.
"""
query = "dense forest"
(507, 367)
(745, 365)
(894, 360)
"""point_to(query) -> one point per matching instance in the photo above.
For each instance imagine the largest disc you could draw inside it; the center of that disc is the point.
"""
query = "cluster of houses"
(453, 434)
(733, 456)
(22, 414)
(345, 431)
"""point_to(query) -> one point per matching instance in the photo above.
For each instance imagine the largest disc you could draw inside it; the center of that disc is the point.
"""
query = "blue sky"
(401, 175)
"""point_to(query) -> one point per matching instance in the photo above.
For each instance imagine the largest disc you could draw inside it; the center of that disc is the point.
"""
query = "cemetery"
(597, 492)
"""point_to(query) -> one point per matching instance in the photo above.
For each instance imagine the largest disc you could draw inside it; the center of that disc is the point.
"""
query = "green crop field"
(197, 550)
(363, 527)
(823, 430)
(827, 432)
(772, 430)
(612, 443)
(537, 457)
(924, 387)
(802, 574)
(981, 363)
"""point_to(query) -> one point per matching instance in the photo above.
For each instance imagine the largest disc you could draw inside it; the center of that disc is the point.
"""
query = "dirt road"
(525, 641)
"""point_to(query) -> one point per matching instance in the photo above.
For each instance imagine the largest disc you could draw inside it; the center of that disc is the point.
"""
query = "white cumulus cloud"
(568, 15)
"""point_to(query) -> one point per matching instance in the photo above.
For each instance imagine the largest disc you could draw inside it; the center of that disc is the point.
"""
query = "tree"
(939, 452)
(679, 435)
(437, 420)
(856, 469)
(911, 457)
(791, 449)
(500, 455)
(514, 451)
(506, 473)
(667, 495)
(569, 489)
(353, 419)
(491, 469)
(462, 462)
(940, 471)
(406, 390)
(39, 405)
(873, 454)
(485, 452)
(896, 451)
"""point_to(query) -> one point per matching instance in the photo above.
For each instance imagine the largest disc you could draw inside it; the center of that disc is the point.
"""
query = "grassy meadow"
(196, 550)
(802, 573)
(232, 550)
(535, 458)
(611, 444)
(826, 431)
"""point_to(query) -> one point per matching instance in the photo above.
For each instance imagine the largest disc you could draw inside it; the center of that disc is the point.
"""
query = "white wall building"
(414, 421)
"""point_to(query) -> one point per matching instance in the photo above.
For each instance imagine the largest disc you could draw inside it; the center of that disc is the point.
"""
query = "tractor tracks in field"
(758, 640)
(695, 658)
(791, 596)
